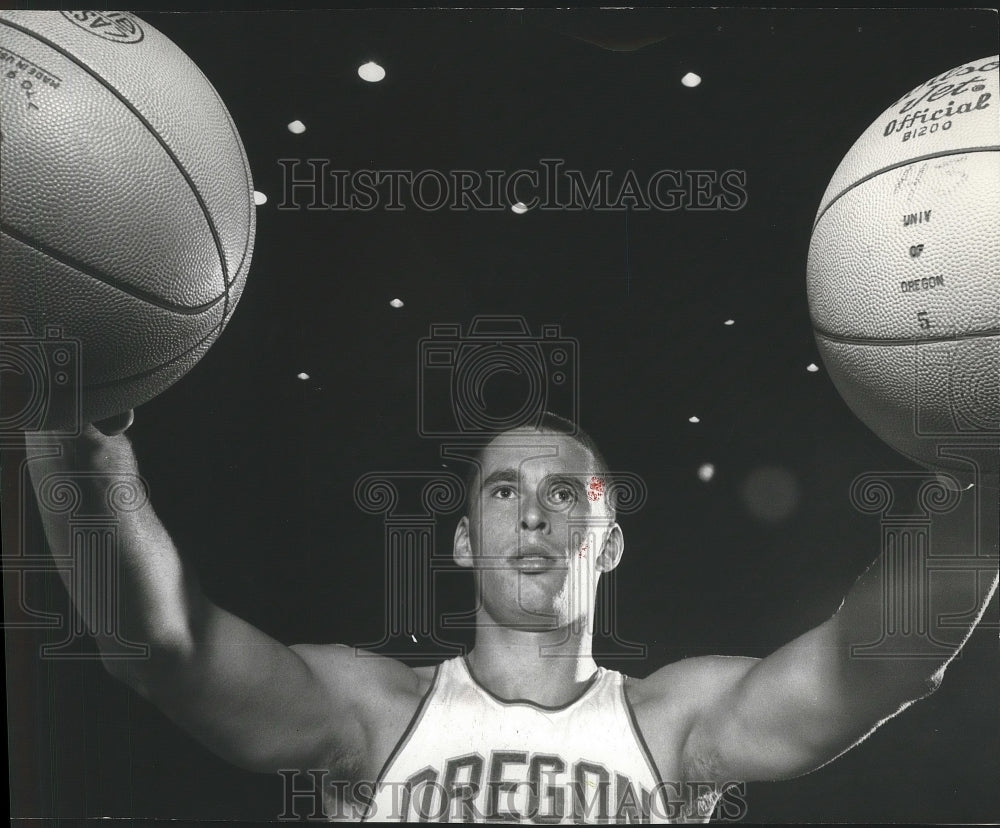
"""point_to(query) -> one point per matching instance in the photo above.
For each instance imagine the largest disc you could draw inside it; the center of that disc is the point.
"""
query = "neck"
(550, 668)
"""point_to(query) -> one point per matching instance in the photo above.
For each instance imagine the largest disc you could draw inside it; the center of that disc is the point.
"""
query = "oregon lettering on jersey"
(519, 787)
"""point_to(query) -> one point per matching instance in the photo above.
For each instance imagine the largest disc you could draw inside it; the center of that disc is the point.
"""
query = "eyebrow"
(507, 475)
(574, 480)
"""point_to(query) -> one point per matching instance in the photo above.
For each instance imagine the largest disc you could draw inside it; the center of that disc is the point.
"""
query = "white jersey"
(468, 756)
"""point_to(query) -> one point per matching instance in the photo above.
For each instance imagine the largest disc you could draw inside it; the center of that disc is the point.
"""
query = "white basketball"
(126, 211)
(904, 268)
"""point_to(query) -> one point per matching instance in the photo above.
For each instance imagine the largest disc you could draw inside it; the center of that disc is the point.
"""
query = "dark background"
(253, 470)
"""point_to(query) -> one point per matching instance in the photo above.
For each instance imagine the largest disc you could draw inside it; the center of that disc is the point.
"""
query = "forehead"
(533, 450)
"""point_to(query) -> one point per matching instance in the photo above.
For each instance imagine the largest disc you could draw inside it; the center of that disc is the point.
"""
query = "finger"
(111, 426)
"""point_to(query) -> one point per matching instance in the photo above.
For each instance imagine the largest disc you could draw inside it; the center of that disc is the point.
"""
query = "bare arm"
(247, 697)
(811, 700)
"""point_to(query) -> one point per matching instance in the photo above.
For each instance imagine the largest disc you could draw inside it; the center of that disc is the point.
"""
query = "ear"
(462, 550)
(611, 552)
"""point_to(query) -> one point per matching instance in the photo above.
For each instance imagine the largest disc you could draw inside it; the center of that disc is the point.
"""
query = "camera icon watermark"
(40, 375)
(531, 374)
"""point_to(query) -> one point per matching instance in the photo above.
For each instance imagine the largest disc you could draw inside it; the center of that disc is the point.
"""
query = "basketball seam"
(896, 342)
(251, 211)
(213, 333)
(216, 329)
(898, 164)
(123, 287)
(251, 206)
(149, 127)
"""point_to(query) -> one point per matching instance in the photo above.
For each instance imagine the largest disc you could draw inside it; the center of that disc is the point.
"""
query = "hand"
(94, 432)
(99, 443)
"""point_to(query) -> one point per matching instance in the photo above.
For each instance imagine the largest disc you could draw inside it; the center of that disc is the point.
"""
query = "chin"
(541, 616)
(535, 605)
(531, 613)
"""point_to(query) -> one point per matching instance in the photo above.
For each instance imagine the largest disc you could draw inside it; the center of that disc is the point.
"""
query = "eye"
(503, 492)
(561, 493)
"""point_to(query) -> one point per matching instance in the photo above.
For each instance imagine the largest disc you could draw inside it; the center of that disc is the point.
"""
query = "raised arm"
(248, 698)
(800, 707)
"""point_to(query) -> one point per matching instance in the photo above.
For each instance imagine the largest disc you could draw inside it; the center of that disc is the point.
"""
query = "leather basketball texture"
(126, 207)
(903, 274)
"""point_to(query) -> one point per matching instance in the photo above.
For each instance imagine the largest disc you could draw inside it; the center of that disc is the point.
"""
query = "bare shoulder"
(668, 703)
(347, 668)
(382, 693)
(690, 679)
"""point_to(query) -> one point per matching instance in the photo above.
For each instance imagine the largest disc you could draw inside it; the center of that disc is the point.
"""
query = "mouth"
(536, 558)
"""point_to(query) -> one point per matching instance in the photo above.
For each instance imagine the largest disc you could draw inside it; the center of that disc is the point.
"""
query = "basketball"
(904, 268)
(126, 212)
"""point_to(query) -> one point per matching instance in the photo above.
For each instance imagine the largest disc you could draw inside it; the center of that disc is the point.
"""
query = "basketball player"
(526, 727)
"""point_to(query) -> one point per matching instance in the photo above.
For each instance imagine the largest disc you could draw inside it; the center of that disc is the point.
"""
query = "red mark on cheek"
(595, 490)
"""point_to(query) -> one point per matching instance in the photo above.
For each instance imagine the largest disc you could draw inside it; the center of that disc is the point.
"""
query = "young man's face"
(539, 531)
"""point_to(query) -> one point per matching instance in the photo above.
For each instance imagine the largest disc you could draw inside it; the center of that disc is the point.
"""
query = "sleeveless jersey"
(468, 756)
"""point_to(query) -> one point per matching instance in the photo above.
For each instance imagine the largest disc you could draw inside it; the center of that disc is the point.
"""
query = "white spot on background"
(729, 322)
(706, 471)
(371, 72)
(259, 198)
(812, 367)
(519, 207)
(397, 303)
(691, 80)
(694, 420)
(413, 637)
(297, 127)
(303, 376)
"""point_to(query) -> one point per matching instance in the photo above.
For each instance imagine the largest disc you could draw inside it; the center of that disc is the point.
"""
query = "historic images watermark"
(508, 787)
(314, 184)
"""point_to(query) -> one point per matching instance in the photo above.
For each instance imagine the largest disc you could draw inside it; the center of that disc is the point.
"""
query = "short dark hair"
(547, 421)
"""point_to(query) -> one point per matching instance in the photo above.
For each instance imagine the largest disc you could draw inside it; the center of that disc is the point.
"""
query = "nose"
(534, 517)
